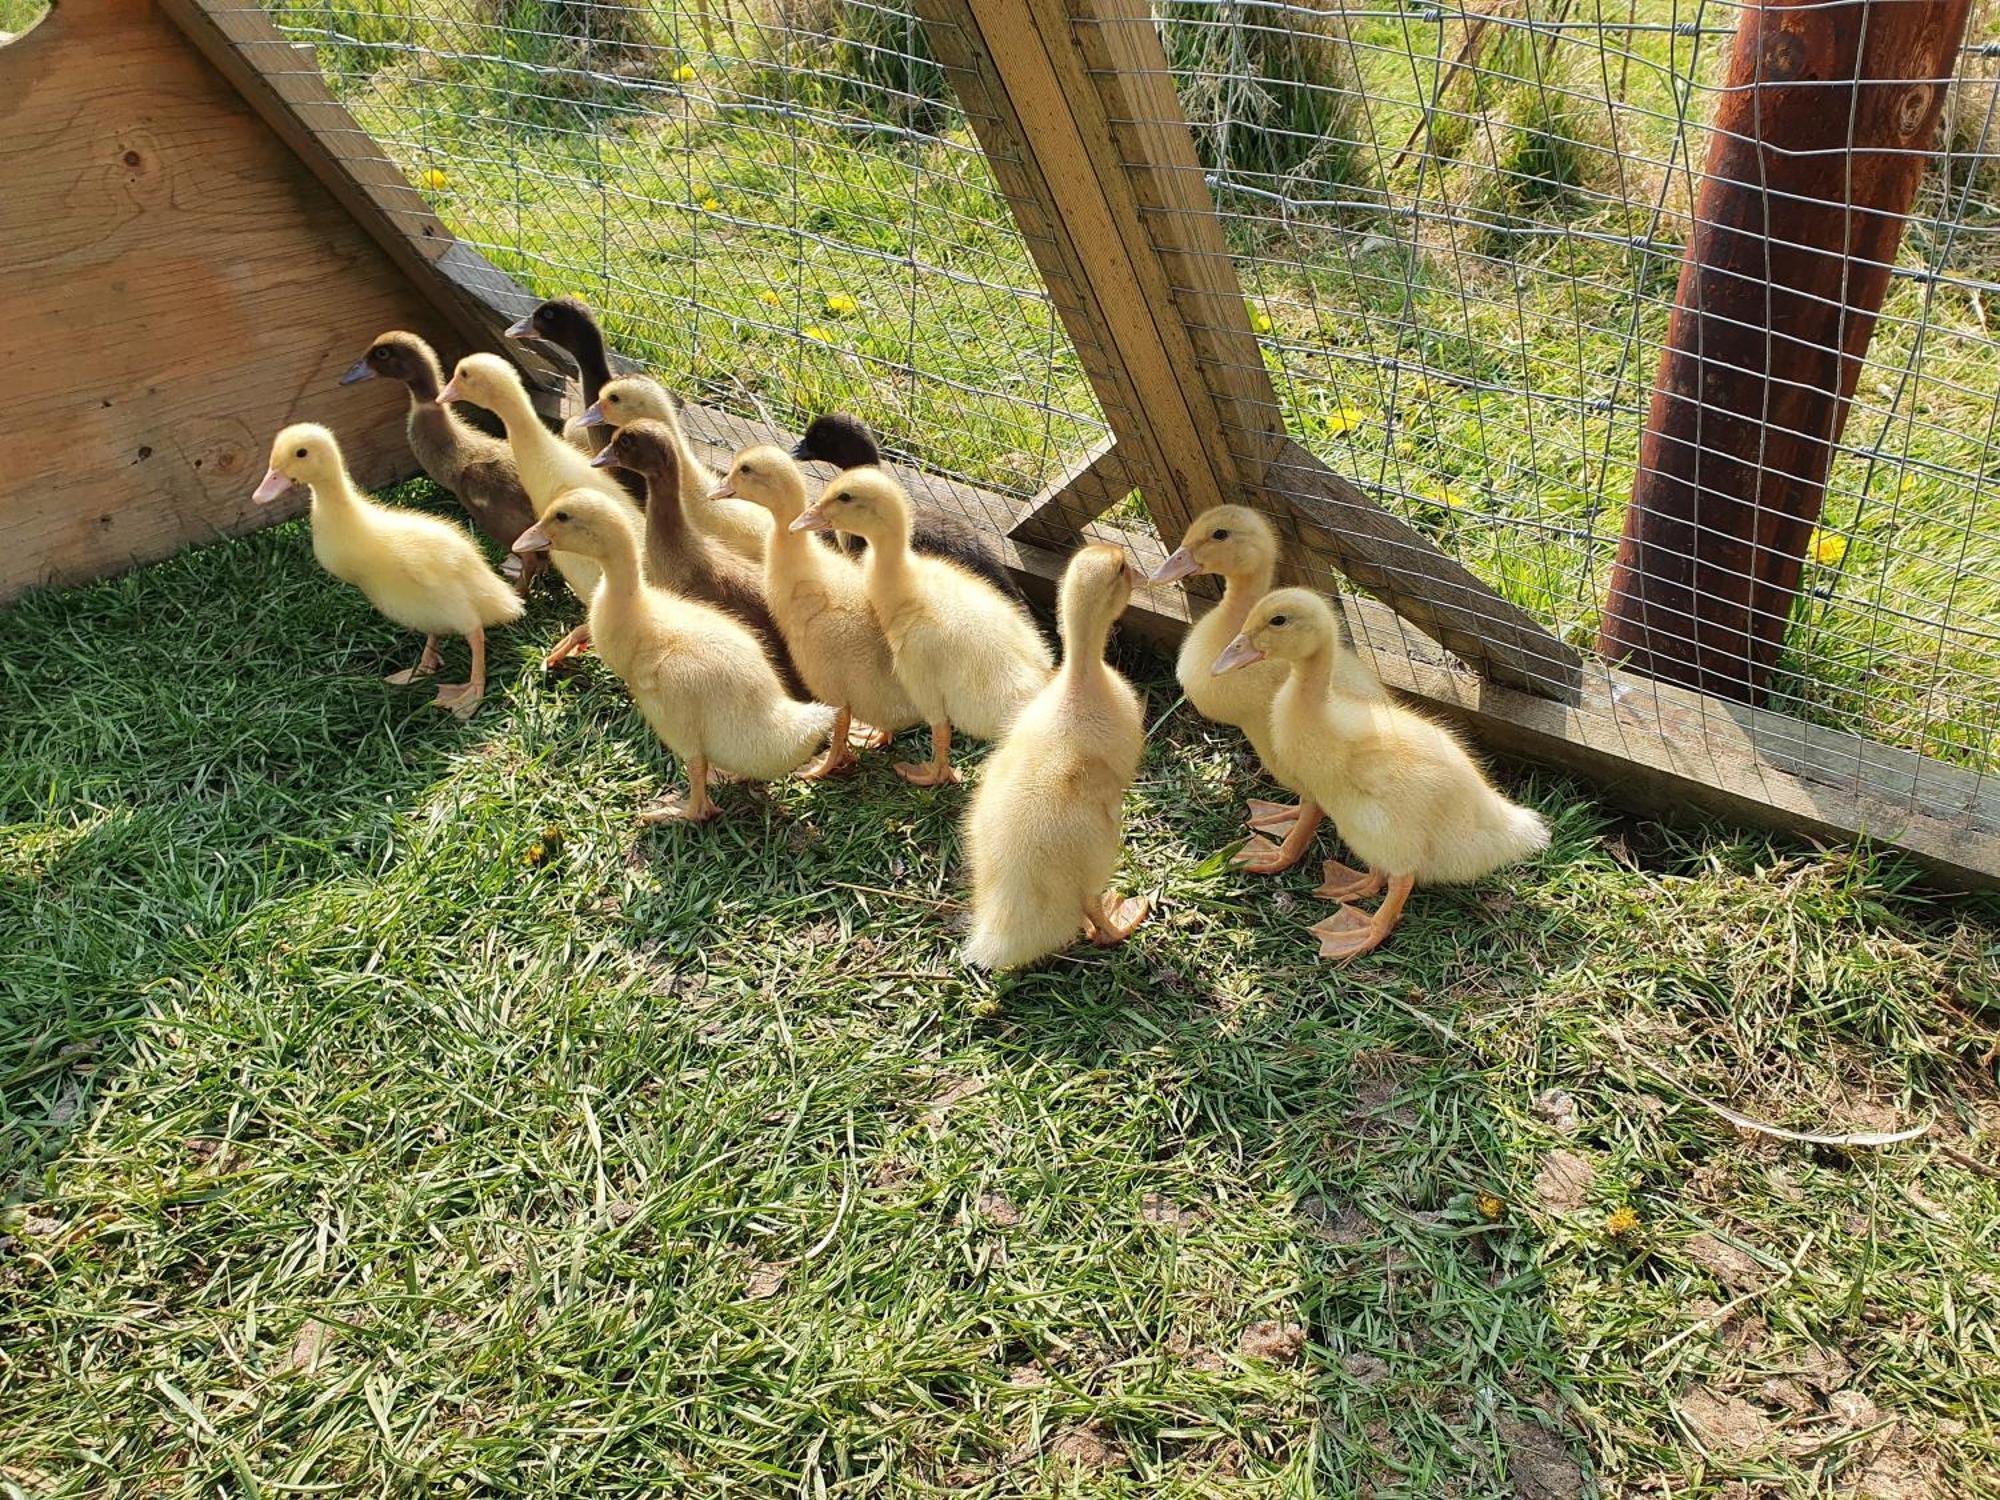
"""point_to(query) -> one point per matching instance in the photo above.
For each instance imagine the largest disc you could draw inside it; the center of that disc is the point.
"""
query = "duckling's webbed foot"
(576, 642)
(674, 808)
(1272, 817)
(427, 665)
(1339, 882)
(868, 737)
(1110, 919)
(1351, 932)
(462, 698)
(1262, 857)
(940, 771)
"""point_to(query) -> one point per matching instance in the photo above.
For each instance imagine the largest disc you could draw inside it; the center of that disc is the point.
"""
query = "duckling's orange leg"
(839, 755)
(578, 640)
(462, 698)
(939, 771)
(693, 808)
(1273, 817)
(1351, 932)
(1262, 857)
(1339, 882)
(1109, 928)
(427, 665)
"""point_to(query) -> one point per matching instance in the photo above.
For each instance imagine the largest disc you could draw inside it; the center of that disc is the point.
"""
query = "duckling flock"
(752, 646)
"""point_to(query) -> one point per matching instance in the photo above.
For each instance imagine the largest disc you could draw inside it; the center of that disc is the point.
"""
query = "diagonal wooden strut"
(1075, 107)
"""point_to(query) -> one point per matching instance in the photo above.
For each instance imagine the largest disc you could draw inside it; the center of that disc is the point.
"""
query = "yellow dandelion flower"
(1344, 419)
(711, 205)
(684, 73)
(1490, 1207)
(1621, 1222)
(841, 305)
(770, 298)
(1443, 495)
(534, 856)
(1261, 322)
(818, 334)
(433, 180)
(1828, 549)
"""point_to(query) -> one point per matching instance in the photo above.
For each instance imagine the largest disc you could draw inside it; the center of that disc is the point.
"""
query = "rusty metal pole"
(1820, 140)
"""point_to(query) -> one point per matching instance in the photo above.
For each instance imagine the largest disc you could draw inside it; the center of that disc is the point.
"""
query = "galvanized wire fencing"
(1458, 232)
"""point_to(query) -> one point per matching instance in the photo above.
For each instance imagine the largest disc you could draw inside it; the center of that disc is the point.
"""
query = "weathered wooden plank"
(1820, 139)
(177, 289)
(1341, 529)
(1083, 491)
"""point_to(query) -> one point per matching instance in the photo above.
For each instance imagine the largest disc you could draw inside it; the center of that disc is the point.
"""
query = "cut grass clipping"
(386, 1114)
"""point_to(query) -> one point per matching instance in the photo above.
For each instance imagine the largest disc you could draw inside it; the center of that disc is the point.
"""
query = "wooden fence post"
(1819, 144)
(1075, 106)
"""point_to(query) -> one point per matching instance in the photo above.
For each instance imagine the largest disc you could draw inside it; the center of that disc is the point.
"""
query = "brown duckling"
(682, 558)
(477, 469)
(845, 442)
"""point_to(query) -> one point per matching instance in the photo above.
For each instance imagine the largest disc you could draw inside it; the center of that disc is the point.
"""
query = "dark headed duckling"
(845, 442)
(569, 324)
(477, 469)
(680, 556)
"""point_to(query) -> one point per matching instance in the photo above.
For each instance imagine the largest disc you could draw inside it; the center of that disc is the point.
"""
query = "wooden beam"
(1335, 527)
(1074, 104)
(1083, 491)
(1821, 136)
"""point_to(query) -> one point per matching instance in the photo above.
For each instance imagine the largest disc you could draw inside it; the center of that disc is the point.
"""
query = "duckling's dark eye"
(843, 497)
(562, 515)
(745, 469)
(301, 453)
(1278, 620)
(614, 399)
(1220, 535)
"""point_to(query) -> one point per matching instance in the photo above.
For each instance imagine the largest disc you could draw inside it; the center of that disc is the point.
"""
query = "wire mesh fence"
(1458, 230)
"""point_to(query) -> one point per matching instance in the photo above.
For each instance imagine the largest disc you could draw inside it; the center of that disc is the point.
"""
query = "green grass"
(347, 1151)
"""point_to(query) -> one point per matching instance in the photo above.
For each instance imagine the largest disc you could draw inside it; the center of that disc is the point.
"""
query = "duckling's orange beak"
(274, 485)
(523, 329)
(359, 370)
(593, 415)
(534, 539)
(449, 393)
(1238, 653)
(811, 519)
(605, 459)
(1180, 565)
(724, 490)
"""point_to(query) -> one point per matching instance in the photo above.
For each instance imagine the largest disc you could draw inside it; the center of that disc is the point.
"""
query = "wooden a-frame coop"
(198, 232)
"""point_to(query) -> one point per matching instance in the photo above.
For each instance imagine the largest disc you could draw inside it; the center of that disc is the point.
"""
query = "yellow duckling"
(1043, 829)
(548, 466)
(1401, 791)
(422, 572)
(740, 526)
(1239, 546)
(967, 656)
(820, 603)
(701, 679)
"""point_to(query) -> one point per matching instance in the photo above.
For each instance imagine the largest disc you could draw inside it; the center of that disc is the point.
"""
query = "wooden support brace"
(1075, 106)
(1080, 494)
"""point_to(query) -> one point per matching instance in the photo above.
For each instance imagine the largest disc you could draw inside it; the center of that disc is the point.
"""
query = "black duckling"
(569, 324)
(845, 442)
